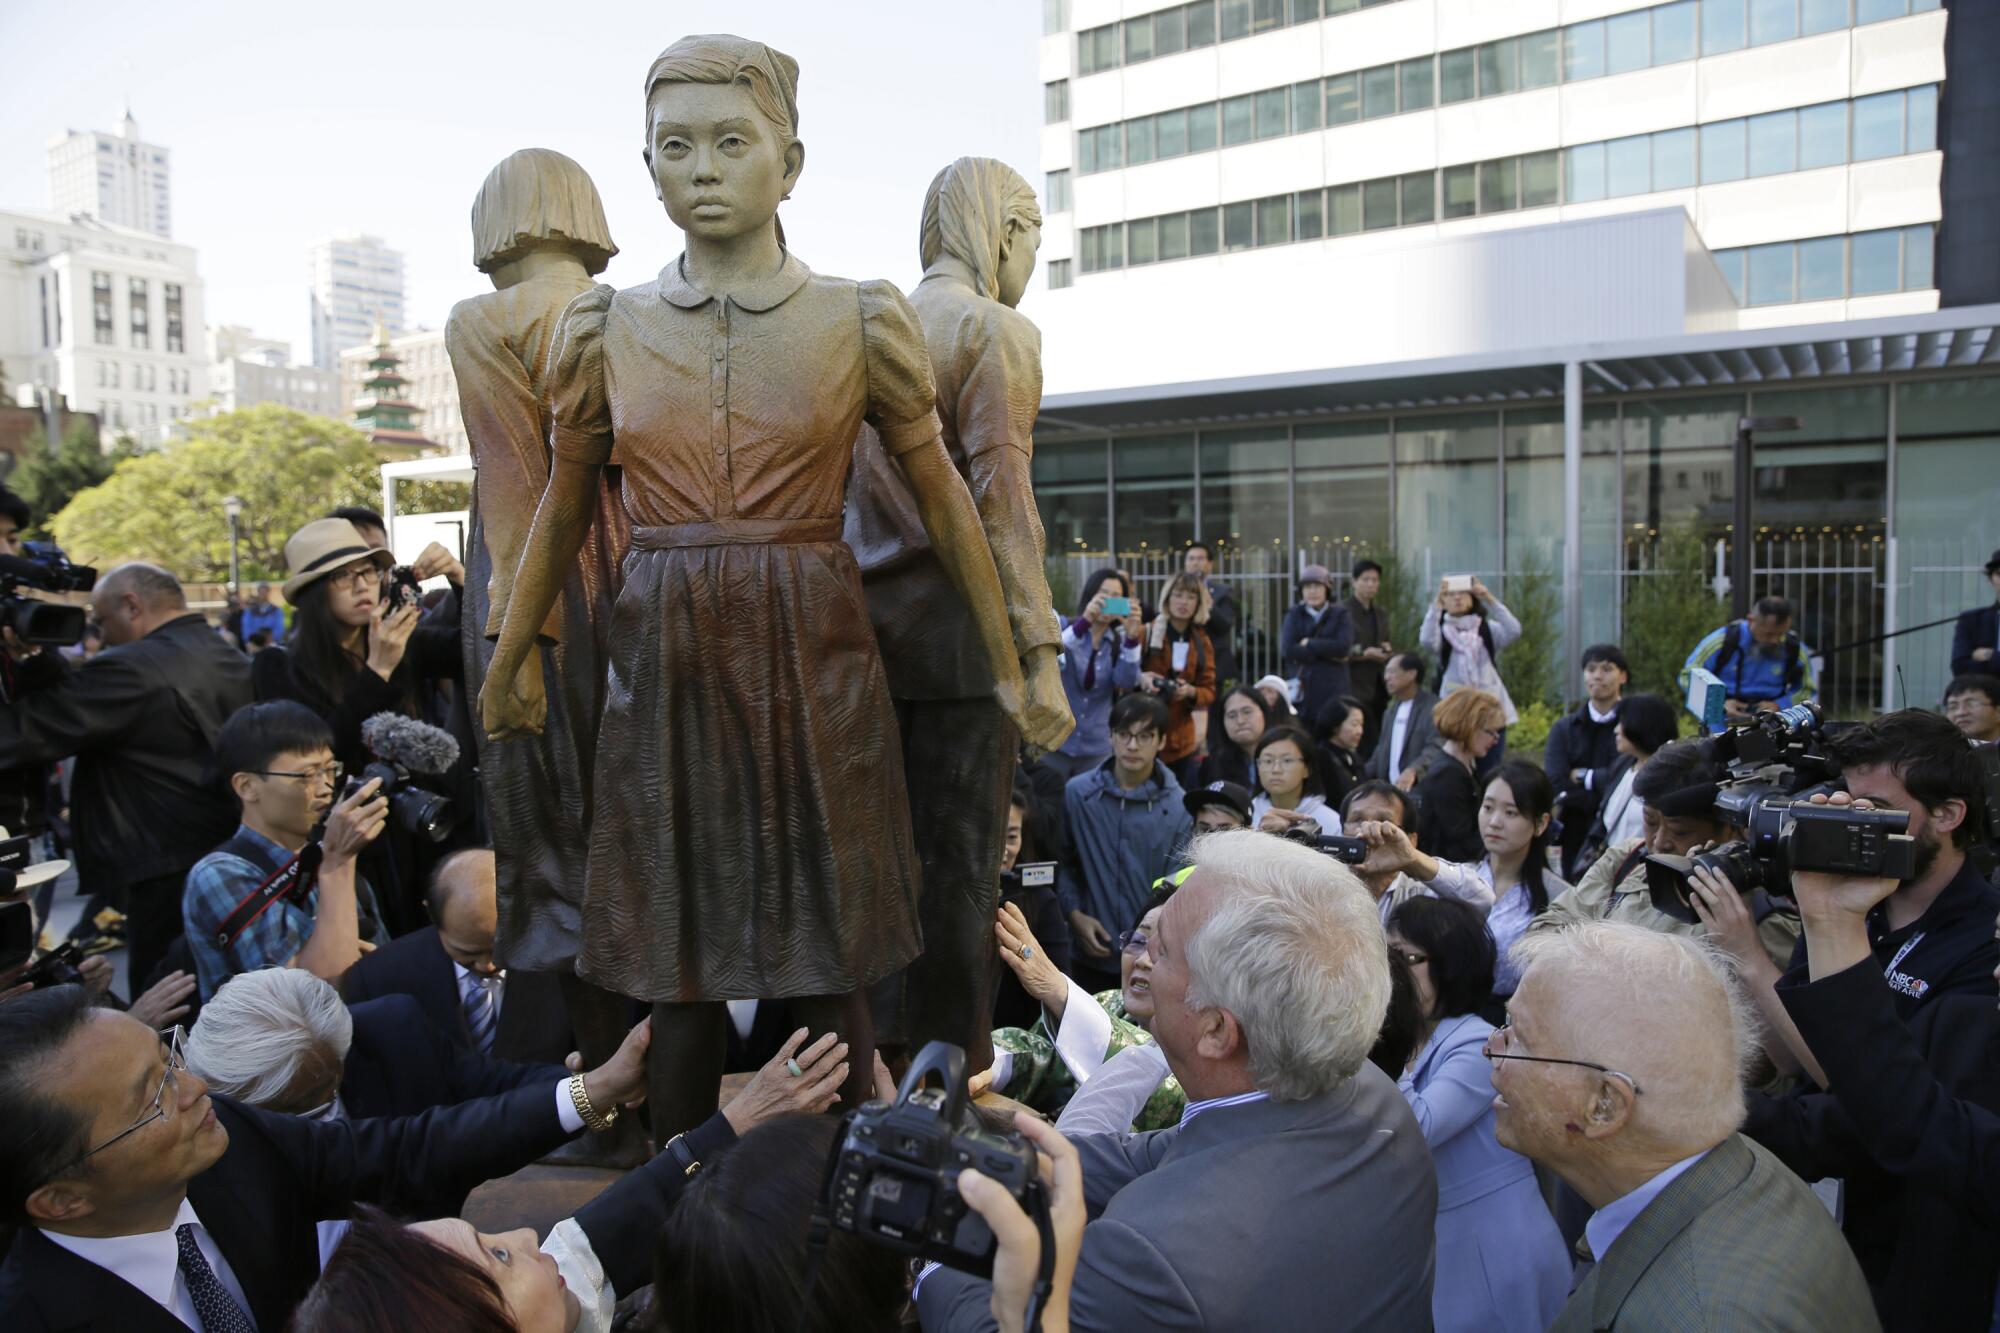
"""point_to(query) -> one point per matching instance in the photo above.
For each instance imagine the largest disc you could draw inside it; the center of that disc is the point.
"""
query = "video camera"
(402, 748)
(1347, 851)
(43, 565)
(18, 964)
(1772, 759)
(893, 1179)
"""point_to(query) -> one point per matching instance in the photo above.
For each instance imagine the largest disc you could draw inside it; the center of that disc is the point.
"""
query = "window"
(1174, 236)
(1874, 11)
(1237, 223)
(141, 326)
(1343, 99)
(1419, 191)
(1201, 25)
(1499, 185)
(1343, 210)
(1878, 126)
(1917, 258)
(1823, 269)
(103, 331)
(1540, 58)
(1305, 106)
(1271, 113)
(1058, 191)
(1204, 233)
(1141, 239)
(1673, 160)
(1138, 39)
(1274, 220)
(1307, 215)
(1378, 203)
(1201, 128)
(1305, 11)
(1235, 19)
(1460, 187)
(1055, 102)
(1378, 92)
(1170, 134)
(1139, 141)
(1266, 15)
(1237, 123)
(1921, 135)
(1822, 135)
(1455, 77)
(1722, 27)
(1628, 166)
(1771, 278)
(1055, 16)
(1499, 67)
(1583, 50)
(1583, 173)
(1673, 33)
(1773, 21)
(1097, 49)
(1419, 79)
(1628, 41)
(1877, 264)
(1170, 31)
(1722, 151)
(1822, 15)
(1774, 143)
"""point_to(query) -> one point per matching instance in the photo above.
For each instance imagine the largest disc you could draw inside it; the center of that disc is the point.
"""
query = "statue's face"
(717, 163)
(1017, 262)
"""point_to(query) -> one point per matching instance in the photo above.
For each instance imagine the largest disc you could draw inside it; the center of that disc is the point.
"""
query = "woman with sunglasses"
(1078, 1033)
(1500, 1260)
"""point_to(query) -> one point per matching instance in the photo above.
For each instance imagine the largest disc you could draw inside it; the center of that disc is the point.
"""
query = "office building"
(356, 283)
(246, 369)
(115, 178)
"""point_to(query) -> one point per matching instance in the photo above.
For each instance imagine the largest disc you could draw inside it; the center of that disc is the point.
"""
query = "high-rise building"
(1488, 286)
(428, 384)
(357, 283)
(109, 316)
(115, 178)
(245, 369)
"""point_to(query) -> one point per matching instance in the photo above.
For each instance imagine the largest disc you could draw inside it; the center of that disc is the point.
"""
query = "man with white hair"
(1296, 1192)
(1620, 1069)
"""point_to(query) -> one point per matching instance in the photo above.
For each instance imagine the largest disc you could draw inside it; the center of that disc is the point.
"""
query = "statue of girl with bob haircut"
(538, 231)
(750, 837)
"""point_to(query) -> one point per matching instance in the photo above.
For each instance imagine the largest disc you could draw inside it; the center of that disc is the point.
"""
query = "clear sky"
(290, 122)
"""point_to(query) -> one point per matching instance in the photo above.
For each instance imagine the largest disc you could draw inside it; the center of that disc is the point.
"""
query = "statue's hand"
(513, 703)
(1045, 719)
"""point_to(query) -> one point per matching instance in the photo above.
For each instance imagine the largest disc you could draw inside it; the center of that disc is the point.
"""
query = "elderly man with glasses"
(271, 896)
(145, 1205)
(1619, 1069)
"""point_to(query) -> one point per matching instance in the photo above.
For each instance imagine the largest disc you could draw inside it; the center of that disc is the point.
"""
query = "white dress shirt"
(1600, 719)
(1111, 1101)
(1398, 733)
(1608, 1223)
(151, 1263)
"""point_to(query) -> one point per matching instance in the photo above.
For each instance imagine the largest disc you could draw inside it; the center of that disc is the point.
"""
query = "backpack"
(1732, 648)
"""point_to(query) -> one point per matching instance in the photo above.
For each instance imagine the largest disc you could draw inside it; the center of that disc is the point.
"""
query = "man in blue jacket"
(1759, 661)
(1126, 819)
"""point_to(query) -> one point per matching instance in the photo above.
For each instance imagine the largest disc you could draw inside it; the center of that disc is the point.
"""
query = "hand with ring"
(794, 1081)
(1029, 962)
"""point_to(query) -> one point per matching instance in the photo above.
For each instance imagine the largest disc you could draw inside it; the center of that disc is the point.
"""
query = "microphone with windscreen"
(403, 748)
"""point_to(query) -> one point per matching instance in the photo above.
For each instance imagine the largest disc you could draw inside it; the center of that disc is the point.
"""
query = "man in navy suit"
(1975, 644)
(448, 968)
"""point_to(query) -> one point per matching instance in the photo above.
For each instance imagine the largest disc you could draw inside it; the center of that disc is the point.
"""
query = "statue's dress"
(751, 833)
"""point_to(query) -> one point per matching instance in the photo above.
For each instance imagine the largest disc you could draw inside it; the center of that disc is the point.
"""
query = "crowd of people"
(1323, 1010)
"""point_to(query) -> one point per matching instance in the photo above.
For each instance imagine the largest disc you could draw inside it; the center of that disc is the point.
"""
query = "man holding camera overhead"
(140, 718)
(272, 896)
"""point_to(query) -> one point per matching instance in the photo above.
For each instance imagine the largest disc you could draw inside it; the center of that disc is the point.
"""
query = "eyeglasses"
(356, 576)
(1133, 942)
(164, 1104)
(1136, 737)
(330, 774)
(1499, 1034)
(1277, 762)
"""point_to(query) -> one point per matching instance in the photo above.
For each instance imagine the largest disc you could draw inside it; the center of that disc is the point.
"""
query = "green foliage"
(287, 467)
(1528, 736)
(1403, 596)
(1667, 611)
(1533, 665)
(47, 478)
(433, 497)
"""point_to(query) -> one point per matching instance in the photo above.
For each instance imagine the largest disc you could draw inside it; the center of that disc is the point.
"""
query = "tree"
(48, 477)
(287, 467)
(1533, 666)
(1667, 611)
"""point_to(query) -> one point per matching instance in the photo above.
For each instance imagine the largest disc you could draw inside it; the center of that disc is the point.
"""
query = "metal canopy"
(1938, 340)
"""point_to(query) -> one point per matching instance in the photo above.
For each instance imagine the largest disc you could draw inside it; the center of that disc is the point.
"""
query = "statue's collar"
(760, 295)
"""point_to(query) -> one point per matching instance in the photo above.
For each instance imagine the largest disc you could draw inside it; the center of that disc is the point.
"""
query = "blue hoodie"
(1120, 842)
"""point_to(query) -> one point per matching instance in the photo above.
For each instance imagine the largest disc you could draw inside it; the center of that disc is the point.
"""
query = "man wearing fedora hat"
(1316, 640)
(140, 718)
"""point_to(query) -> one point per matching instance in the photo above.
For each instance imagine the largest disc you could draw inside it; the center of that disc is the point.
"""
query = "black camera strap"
(295, 878)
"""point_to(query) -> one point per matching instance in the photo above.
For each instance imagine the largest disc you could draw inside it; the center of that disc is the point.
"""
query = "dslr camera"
(400, 587)
(1773, 759)
(1347, 851)
(414, 807)
(42, 565)
(894, 1175)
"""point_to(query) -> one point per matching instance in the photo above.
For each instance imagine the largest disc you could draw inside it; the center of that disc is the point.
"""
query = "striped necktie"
(482, 1012)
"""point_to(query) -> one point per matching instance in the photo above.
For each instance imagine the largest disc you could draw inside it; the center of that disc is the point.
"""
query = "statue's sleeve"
(998, 394)
(503, 420)
(580, 407)
(902, 401)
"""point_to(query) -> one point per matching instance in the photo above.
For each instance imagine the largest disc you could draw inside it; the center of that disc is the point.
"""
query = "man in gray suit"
(1296, 1192)
(1620, 1070)
(1409, 743)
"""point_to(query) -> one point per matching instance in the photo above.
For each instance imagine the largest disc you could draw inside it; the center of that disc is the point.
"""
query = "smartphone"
(1458, 583)
(1119, 607)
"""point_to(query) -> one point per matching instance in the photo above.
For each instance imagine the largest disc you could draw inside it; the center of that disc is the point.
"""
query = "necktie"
(218, 1312)
(481, 1013)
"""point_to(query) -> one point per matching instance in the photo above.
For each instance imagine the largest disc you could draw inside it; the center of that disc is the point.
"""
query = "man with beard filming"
(284, 891)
